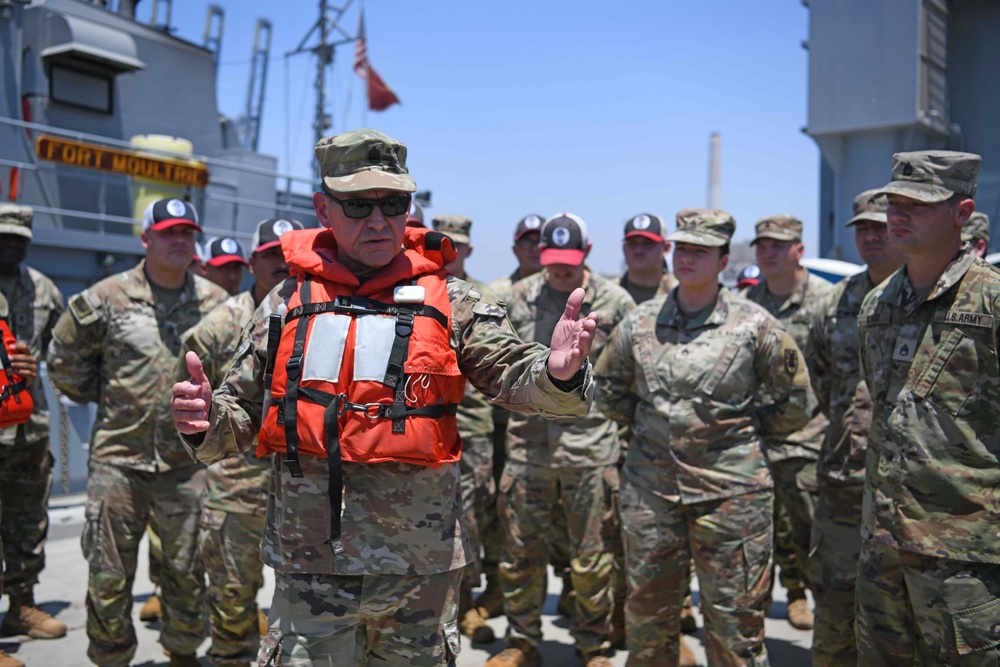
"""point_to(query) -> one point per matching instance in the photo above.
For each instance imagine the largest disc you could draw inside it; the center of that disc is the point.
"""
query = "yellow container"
(144, 190)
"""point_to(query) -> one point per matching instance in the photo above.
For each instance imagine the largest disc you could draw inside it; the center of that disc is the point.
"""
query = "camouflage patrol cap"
(704, 226)
(456, 227)
(528, 224)
(647, 225)
(976, 227)
(363, 160)
(781, 227)
(933, 176)
(16, 219)
(869, 205)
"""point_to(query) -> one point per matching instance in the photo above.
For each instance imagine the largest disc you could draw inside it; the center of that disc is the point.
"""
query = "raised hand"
(571, 339)
(191, 400)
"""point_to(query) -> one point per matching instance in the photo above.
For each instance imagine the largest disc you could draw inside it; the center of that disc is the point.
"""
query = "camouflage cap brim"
(777, 235)
(374, 179)
(698, 238)
(18, 230)
(457, 237)
(873, 216)
(925, 192)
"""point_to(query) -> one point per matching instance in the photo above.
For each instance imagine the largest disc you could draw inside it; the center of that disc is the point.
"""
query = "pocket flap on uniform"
(977, 628)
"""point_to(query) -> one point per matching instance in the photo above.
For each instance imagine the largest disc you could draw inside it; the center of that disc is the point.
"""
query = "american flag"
(380, 96)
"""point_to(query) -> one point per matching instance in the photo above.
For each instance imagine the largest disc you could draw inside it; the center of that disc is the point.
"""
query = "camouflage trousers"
(363, 621)
(119, 501)
(833, 573)
(527, 495)
(920, 610)
(479, 492)
(730, 541)
(25, 485)
(794, 500)
(229, 544)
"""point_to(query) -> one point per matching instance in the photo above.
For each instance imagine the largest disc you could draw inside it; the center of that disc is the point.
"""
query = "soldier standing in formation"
(117, 346)
(32, 304)
(645, 252)
(834, 357)
(929, 576)
(976, 231)
(475, 427)
(684, 370)
(572, 460)
(235, 500)
(788, 292)
(370, 529)
(527, 233)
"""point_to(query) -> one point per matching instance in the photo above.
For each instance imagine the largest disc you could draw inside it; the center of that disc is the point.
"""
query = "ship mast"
(326, 26)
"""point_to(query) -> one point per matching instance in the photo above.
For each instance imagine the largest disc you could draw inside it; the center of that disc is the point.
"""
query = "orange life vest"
(358, 373)
(16, 404)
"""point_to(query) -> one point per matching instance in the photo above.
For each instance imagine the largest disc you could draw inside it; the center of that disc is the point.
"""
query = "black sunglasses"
(362, 208)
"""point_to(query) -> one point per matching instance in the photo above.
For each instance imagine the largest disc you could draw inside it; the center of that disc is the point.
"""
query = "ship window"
(86, 90)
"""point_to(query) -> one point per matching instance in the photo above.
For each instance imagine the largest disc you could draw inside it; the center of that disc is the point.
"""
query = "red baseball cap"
(165, 213)
(564, 240)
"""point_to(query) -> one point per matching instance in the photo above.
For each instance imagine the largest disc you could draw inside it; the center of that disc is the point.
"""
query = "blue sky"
(600, 109)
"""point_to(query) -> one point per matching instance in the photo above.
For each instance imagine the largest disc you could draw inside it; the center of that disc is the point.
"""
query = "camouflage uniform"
(572, 460)
(232, 515)
(834, 357)
(929, 577)
(667, 284)
(695, 481)
(117, 347)
(793, 458)
(25, 460)
(393, 591)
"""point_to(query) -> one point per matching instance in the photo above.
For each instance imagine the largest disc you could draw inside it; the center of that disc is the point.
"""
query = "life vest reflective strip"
(282, 430)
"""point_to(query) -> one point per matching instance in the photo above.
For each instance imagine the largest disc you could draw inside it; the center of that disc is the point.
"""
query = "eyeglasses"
(361, 208)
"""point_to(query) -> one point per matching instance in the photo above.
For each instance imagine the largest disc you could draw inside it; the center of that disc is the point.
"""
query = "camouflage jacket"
(564, 443)
(834, 357)
(690, 391)
(933, 484)
(397, 518)
(237, 484)
(795, 314)
(475, 412)
(33, 310)
(114, 346)
(667, 283)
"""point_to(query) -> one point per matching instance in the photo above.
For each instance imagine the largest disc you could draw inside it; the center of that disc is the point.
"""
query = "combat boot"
(7, 660)
(520, 654)
(470, 622)
(687, 657)
(151, 611)
(24, 618)
(800, 616)
(490, 602)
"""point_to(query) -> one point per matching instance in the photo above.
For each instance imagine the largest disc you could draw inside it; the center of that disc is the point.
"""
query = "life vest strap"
(359, 305)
